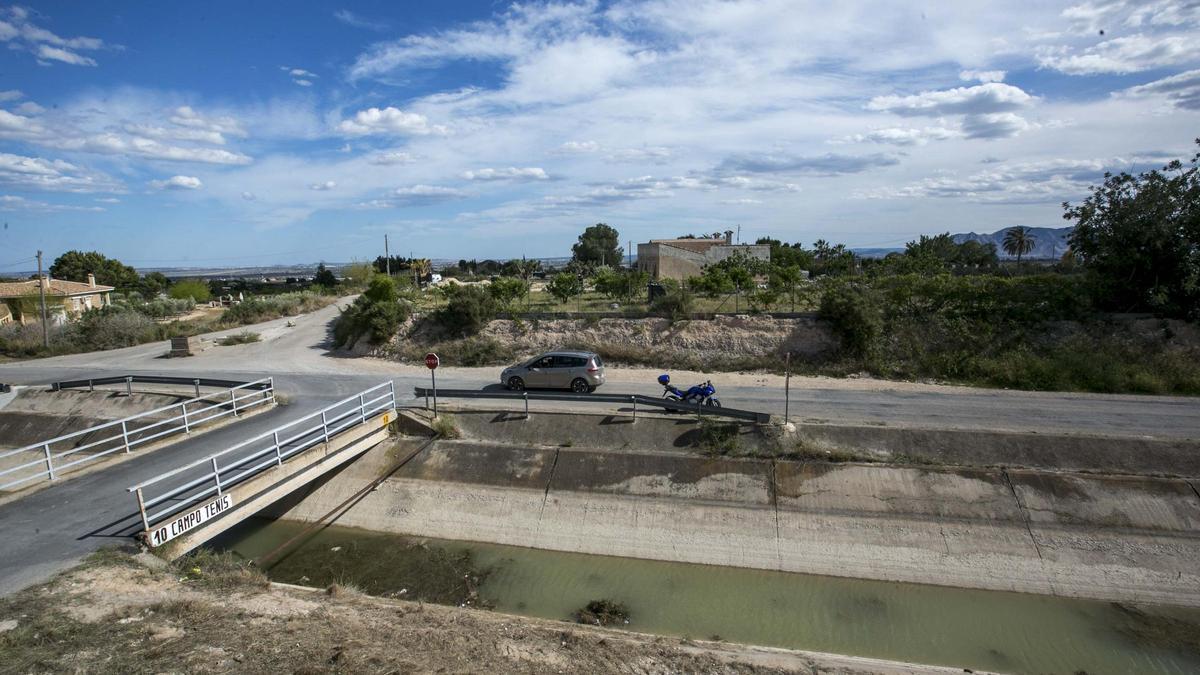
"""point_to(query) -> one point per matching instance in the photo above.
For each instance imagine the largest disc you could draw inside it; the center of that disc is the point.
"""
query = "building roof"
(21, 289)
(694, 245)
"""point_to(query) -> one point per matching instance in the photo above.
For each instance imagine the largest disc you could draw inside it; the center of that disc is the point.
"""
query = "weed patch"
(243, 338)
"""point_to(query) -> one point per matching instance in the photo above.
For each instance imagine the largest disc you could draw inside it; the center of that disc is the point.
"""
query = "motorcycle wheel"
(713, 403)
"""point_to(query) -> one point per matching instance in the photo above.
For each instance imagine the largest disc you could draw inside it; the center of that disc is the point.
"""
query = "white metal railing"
(134, 431)
(252, 456)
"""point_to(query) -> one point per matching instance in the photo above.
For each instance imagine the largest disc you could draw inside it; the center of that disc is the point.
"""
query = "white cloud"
(10, 95)
(984, 76)
(651, 154)
(1183, 90)
(303, 83)
(15, 203)
(186, 116)
(323, 186)
(1129, 54)
(415, 196)
(577, 147)
(511, 173)
(300, 76)
(249, 196)
(30, 108)
(108, 200)
(389, 120)
(23, 34)
(741, 202)
(901, 136)
(992, 97)
(829, 164)
(51, 175)
(354, 20)
(392, 158)
(177, 183)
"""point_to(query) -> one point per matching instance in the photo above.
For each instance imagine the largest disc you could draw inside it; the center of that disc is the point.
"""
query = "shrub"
(469, 309)
(602, 613)
(377, 313)
(853, 312)
(507, 290)
(264, 308)
(242, 338)
(113, 327)
(676, 304)
(446, 427)
(195, 289)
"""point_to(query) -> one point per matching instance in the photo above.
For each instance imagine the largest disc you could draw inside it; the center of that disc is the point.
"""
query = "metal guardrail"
(635, 399)
(255, 455)
(128, 381)
(136, 430)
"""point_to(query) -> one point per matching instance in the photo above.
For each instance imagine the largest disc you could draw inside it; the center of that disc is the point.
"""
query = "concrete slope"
(1121, 539)
(48, 531)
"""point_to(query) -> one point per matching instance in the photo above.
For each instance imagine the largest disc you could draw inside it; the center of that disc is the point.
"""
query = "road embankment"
(1121, 537)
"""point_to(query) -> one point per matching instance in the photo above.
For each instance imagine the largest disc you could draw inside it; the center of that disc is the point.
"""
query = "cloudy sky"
(171, 134)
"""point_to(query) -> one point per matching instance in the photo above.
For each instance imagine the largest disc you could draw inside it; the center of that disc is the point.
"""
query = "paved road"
(298, 356)
(51, 529)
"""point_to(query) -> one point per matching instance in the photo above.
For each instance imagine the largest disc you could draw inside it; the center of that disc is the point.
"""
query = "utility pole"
(42, 292)
(387, 257)
(739, 239)
(629, 253)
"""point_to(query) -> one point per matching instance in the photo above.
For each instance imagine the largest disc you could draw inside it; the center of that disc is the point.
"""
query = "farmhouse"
(684, 258)
(65, 300)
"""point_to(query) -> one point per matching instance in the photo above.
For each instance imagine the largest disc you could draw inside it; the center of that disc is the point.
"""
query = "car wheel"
(516, 384)
(580, 386)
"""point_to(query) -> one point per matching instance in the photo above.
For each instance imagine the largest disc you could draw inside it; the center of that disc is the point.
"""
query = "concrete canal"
(980, 630)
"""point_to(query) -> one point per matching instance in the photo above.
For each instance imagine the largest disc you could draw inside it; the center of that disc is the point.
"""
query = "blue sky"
(175, 134)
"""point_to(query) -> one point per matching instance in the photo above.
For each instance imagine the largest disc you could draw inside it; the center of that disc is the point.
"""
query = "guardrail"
(634, 399)
(135, 430)
(258, 454)
(128, 381)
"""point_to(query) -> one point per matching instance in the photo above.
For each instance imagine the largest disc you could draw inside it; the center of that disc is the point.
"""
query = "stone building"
(684, 258)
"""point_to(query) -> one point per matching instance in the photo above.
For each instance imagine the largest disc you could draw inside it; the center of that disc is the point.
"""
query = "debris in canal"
(602, 613)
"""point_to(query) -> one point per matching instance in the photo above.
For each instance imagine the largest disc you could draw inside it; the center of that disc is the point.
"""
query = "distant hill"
(1049, 242)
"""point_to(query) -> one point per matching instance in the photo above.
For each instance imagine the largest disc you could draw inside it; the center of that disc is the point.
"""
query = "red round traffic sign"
(431, 361)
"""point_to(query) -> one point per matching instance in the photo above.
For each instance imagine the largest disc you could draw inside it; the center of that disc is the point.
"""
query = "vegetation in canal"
(602, 613)
(383, 565)
(243, 338)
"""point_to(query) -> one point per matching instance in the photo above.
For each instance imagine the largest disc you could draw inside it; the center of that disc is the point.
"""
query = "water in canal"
(1010, 632)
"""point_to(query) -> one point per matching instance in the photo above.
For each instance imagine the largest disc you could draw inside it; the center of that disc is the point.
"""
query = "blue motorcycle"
(701, 393)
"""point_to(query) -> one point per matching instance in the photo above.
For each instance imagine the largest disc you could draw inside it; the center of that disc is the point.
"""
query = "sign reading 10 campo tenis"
(190, 519)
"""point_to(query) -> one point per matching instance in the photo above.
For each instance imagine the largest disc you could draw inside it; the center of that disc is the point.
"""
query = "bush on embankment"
(376, 314)
(267, 307)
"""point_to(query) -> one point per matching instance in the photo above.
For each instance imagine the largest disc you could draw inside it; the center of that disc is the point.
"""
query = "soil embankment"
(1122, 538)
(206, 615)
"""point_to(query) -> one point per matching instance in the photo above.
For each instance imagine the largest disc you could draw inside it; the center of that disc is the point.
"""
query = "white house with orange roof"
(65, 300)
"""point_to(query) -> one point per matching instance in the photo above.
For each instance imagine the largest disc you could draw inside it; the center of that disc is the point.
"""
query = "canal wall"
(1120, 538)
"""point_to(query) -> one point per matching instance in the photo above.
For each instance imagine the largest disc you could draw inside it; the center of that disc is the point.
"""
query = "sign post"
(431, 362)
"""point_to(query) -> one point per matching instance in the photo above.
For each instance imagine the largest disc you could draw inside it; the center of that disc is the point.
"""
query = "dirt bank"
(754, 341)
(116, 614)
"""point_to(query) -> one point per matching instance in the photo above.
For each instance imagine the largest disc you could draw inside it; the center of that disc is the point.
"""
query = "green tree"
(1018, 241)
(599, 245)
(152, 284)
(324, 277)
(359, 274)
(625, 286)
(194, 289)
(565, 286)
(377, 313)
(786, 279)
(507, 290)
(77, 265)
(1139, 238)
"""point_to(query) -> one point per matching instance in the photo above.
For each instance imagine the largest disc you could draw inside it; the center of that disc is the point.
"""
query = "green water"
(1009, 632)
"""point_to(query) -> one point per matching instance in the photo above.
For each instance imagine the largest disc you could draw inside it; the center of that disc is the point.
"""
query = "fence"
(133, 431)
(255, 455)
(634, 399)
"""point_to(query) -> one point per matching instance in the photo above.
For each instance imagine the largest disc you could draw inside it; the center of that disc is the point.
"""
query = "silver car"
(581, 372)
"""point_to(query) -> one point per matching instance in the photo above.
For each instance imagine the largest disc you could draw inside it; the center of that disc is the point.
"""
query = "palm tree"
(422, 268)
(1018, 241)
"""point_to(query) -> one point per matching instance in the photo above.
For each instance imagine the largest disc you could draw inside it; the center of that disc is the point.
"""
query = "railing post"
(271, 388)
(125, 435)
(634, 399)
(392, 391)
(526, 404)
(233, 400)
(196, 384)
(128, 386)
(91, 386)
(216, 476)
(325, 426)
(49, 461)
(278, 452)
(186, 429)
(142, 509)
(362, 409)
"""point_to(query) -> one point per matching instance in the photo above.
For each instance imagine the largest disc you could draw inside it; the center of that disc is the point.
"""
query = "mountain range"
(1049, 243)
